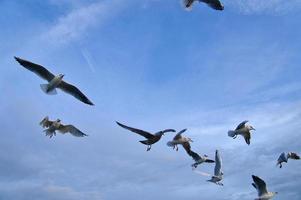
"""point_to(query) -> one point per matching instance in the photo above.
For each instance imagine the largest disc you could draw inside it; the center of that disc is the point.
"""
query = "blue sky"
(152, 65)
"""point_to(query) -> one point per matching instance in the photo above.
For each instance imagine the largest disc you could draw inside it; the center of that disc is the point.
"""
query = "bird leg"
(234, 136)
(177, 148)
(149, 147)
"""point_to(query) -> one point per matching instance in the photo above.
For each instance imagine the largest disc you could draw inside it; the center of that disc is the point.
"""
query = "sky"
(152, 65)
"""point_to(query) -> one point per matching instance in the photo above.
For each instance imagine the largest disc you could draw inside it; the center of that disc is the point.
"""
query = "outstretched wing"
(247, 137)
(218, 164)
(46, 123)
(282, 158)
(138, 131)
(178, 136)
(187, 147)
(74, 91)
(71, 129)
(188, 3)
(215, 4)
(35, 68)
(260, 185)
(293, 155)
(194, 155)
(241, 125)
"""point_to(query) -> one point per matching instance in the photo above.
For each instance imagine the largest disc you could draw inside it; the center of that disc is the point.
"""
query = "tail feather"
(231, 133)
(44, 87)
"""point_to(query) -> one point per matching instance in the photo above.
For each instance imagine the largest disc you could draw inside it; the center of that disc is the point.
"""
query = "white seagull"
(53, 81)
(218, 173)
(179, 139)
(261, 188)
(243, 130)
(199, 159)
(56, 125)
(284, 158)
(215, 4)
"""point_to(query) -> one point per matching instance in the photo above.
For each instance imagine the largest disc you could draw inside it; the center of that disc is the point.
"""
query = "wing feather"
(138, 131)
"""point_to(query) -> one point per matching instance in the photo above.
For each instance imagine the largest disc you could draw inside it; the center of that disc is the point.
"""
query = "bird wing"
(178, 136)
(241, 125)
(138, 131)
(71, 129)
(194, 155)
(282, 157)
(35, 68)
(260, 185)
(294, 156)
(46, 123)
(187, 147)
(247, 137)
(188, 3)
(74, 91)
(218, 164)
(168, 130)
(215, 4)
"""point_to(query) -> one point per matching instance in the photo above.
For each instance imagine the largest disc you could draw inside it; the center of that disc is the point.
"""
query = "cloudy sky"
(152, 65)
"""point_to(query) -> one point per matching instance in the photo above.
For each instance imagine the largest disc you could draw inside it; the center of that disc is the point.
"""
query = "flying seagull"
(53, 81)
(261, 188)
(215, 4)
(150, 138)
(218, 173)
(53, 126)
(243, 130)
(179, 139)
(284, 158)
(199, 159)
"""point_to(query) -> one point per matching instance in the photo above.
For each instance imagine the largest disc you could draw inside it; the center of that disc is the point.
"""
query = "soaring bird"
(284, 158)
(215, 4)
(199, 159)
(218, 173)
(150, 138)
(53, 126)
(261, 188)
(179, 139)
(53, 81)
(243, 130)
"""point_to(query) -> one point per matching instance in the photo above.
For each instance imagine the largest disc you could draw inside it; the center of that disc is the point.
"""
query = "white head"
(249, 127)
(61, 76)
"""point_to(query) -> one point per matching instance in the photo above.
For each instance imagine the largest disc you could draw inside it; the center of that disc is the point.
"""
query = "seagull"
(56, 125)
(284, 158)
(53, 81)
(150, 138)
(179, 139)
(243, 130)
(215, 4)
(261, 188)
(218, 173)
(199, 159)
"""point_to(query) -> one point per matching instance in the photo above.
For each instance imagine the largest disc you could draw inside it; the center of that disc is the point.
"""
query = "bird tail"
(170, 144)
(45, 89)
(144, 142)
(231, 133)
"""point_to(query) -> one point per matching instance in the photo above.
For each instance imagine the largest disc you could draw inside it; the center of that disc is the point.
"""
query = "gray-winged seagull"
(243, 130)
(56, 125)
(215, 4)
(179, 139)
(199, 159)
(261, 188)
(284, 158)
(151, 138)
(53, 81)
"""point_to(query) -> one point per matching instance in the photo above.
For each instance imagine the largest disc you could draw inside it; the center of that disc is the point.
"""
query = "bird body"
(215, 4)
(53, 81)
(243, 130)
(180, 140)
(150, 138)
(261, 188)
(284, 158)
(53, 126)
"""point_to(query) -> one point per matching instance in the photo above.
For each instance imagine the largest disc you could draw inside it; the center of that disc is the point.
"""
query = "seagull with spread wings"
(180, 140)
(199, 159)
(53, 81)
(150, 138)
(284, 158)
(261, 188)
(215, 4)
(242, 129)
(53, 126)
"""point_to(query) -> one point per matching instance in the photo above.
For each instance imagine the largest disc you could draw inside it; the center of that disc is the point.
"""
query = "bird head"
(61, 76)
(251, 128)
(190, 140)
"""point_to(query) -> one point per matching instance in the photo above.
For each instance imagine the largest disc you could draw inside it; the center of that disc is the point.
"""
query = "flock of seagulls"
(243, 129)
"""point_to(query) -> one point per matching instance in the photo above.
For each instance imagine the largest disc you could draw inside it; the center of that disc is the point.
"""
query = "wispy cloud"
(77, 23)
(266, 6)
